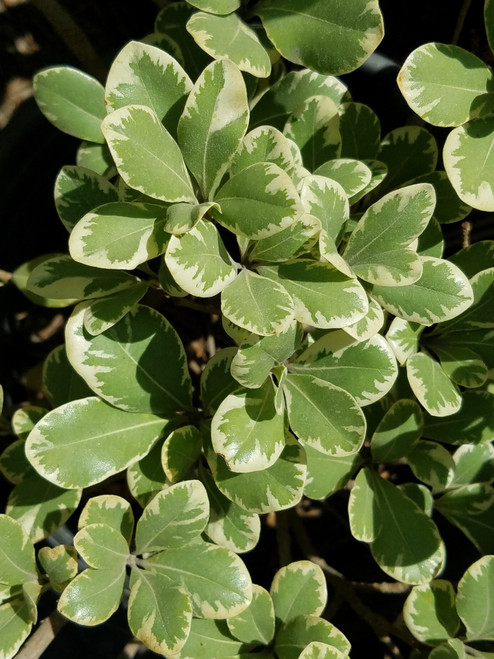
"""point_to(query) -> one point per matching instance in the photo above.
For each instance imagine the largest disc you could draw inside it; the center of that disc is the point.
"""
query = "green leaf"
(366, 370)
(282, 98)
(102, 546)
(368, 325)
(353, 175)
(213, 124)
(146, 155)
(78, 190)
(472, 424)
(60, 382)
(229, 37)
(320, 650)
(471, 509)
(251, 365)
(256, 623)
(142, 74)
(489, 22)
(146, 477)
(380, 248)
(324, 416)
(326, 200)
(403, 337)
(216, 6)
(159, 612)
(25, 418)
(181, 218)
(111, 510)
(363, 510)
(474, 599)
(453, 648)
(248, 430)
(353, 30)
(475, 257)
(229, 525)
(449, 207)
(241, 303)
(60, 564)
(216, 579)
(101, 314)
(360, 131)
(173, 518)
(264, 144)
(323, 296)
(143, 341)
(420, 494)
(397, 432)
(86, 441)
(443, 292)
(379, 172)
(432, 386)
(430, 614)
(72, 100)
(180, 452)
(287, 243)
(297, 589)
(408, 546)
(463, 366)
(258, 202)
(13, 462)
(473, 464)
(327, 474)
(216, 380)
(15, 626)
(214, 635)
(119, 235)
(40, 506)
(97, 158)
(435, 72)
(407, 152)
(468, 160)
(298, 632)
(62, 278)
(93, 596)
(276, 488)
(432, 464)
(17, 560)
(478, 315)
(199, 262)
(313, 126)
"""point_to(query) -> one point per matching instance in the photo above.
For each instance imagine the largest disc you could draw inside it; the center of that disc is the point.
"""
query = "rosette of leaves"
(449, 86)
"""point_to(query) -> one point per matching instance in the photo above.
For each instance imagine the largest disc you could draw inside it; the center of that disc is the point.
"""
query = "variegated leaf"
(479, 314)
(14, 465)
(258, 202)
(379, 172)
(323, 415)
(93, 596)
(216, 380)
(216, 580)
(449, 207)
(474, 464)
(145, 478)
(111, 510)
(430, 613)
(398, 431)
(17, 559)
(108, 361)
(432, 464)
(159, 612)
(213, 124)
(229, 37)
(475, 257)
(72, 100)
(78, 190)
(60, 564)
(474, 599)
(216, 6)
(353, 175)
(287, 243)
(146, 155)
(143, 74)
(363, 512)
(320, 650)
(367, 370)
(441, 82)
(443, 292)
(229, 525)
(103, 313)
(264, 144)
(15, 625)
(252, 365)
(322, 296)
(97, 158)
(403, 337)
(298, 588)
(326, 200)
(380, 249)
(277, 488)
(60, 382)
(119, 235)
(431, 385)
(256, 623)
(468, 160)
(181, 218)
(214, 635)
(353, 30)
(86, 441)
(248, 430)
(314, 127)
(240, 303)
(199, 262)
(369, 325)
(180, 452)
(290, 91)
(463, 366)
(298, 632)
(173, 518)
(327, 474)
(101, 546)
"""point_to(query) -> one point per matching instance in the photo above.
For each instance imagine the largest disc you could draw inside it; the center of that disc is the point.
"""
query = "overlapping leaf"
(434, 390)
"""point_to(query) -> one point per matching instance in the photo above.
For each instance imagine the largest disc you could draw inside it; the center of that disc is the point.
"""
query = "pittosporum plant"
(216, 177)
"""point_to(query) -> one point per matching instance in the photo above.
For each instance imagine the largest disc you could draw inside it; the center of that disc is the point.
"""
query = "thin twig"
(462, 14)
(466, 228)
(42, 637)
